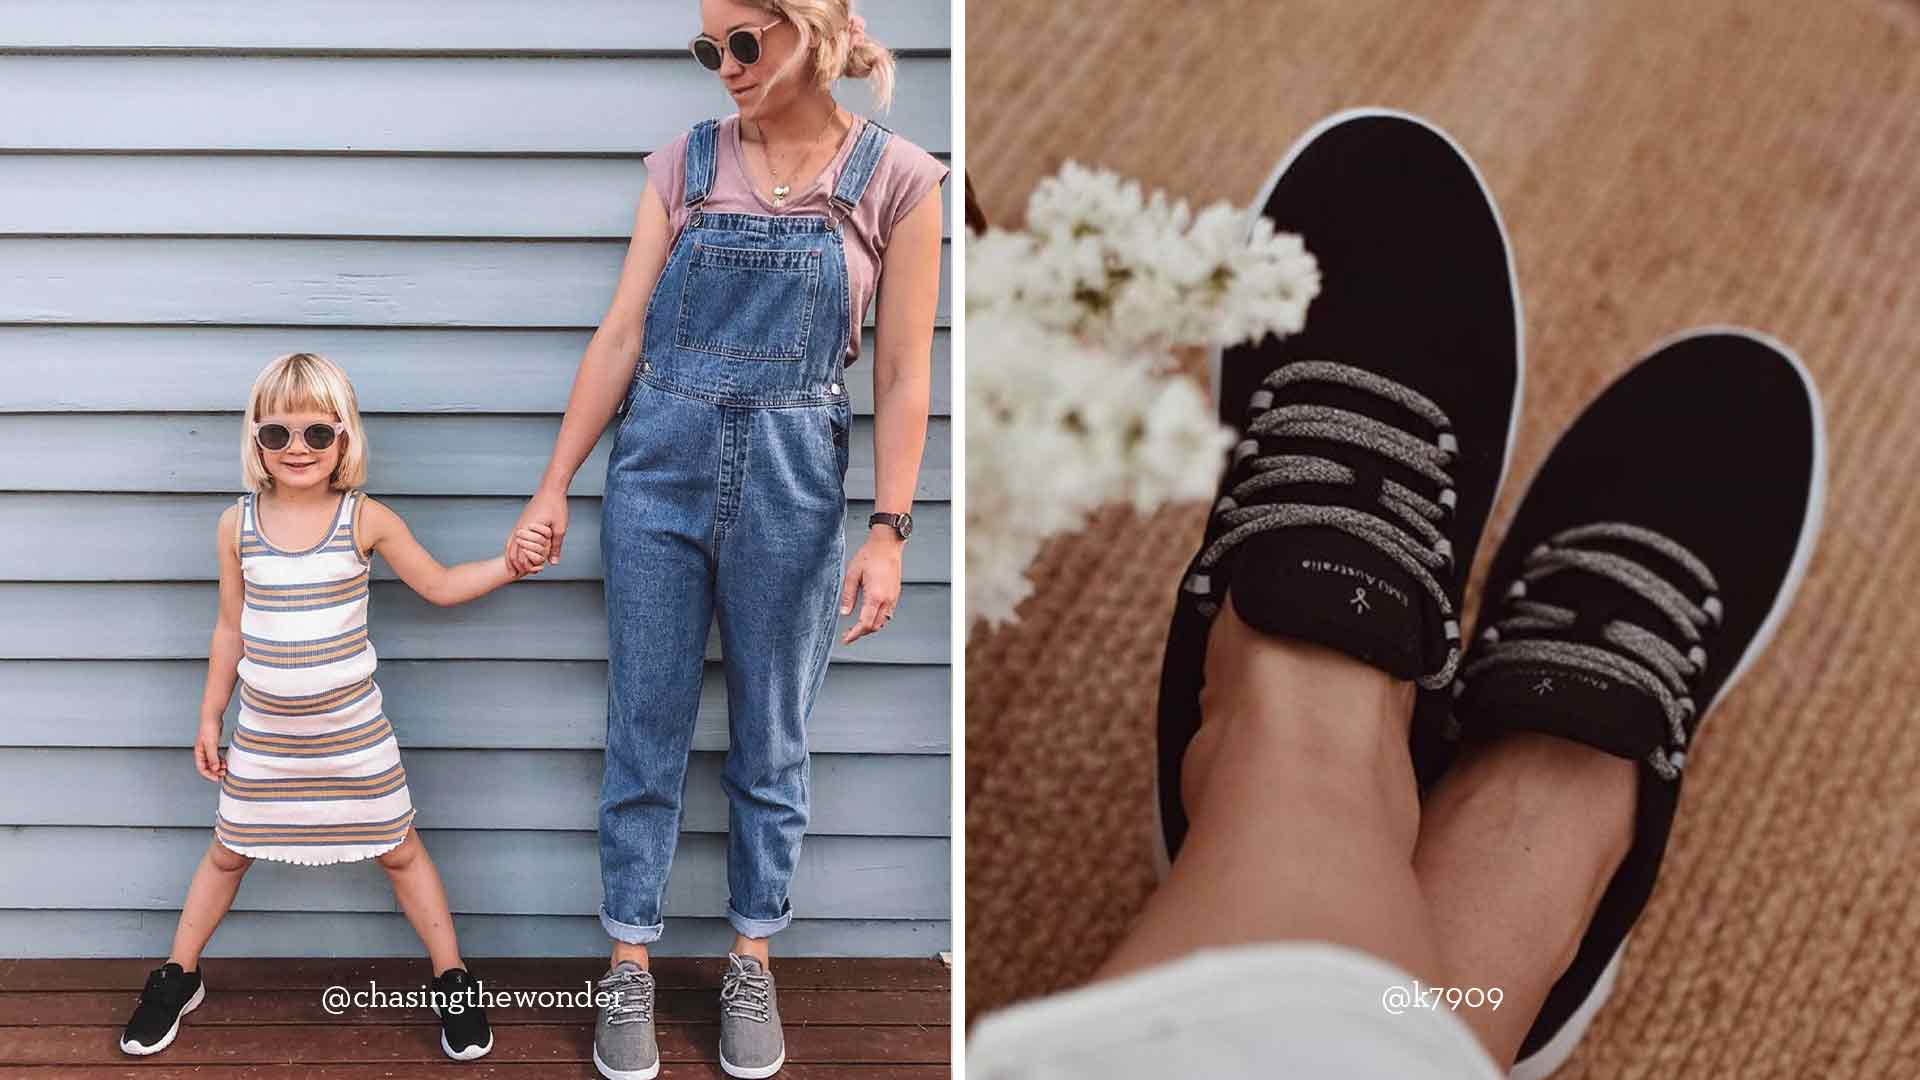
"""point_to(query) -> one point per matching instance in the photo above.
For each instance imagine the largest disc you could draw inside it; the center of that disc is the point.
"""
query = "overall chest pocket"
(753, 304)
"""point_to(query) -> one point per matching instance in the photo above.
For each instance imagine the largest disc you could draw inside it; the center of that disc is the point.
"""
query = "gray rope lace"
(1405, 532)
(635, 1003)
(747, 994)
(1639, 657)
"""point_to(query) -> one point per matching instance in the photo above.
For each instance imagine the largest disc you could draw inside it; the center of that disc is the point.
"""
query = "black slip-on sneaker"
(464, 1031)
(1652, 558)
(169, 994)
(1372, 442)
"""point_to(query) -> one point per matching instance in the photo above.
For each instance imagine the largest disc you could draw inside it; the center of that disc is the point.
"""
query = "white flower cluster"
(1069, 331)
(1127, 271)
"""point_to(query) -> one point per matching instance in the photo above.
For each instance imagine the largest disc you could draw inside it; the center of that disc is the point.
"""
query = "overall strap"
(860, 167)
(699, 162)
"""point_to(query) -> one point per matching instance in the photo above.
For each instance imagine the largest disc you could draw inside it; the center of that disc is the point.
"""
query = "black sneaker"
(1373, 441)
(464, 1034)
(171, 993)
(1653, 557)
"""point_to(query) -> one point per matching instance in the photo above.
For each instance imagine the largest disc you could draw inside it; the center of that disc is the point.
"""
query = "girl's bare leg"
(215, 882)
(416, 884)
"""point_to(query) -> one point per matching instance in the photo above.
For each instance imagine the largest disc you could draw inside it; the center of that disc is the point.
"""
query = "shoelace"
(1406, 532)
(635, 1003)
(747, 994)
(1639, 657)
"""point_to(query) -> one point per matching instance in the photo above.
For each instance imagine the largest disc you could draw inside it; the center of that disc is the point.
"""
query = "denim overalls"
(725, 498)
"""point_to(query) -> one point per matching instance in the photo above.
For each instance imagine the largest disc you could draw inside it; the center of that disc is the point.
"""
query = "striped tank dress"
(313, 770)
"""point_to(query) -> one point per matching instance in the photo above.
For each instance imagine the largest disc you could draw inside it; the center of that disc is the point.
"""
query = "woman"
(759, 241)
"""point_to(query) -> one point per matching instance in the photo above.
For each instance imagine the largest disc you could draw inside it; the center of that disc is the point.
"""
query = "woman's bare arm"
(902, 379)
(605, 371)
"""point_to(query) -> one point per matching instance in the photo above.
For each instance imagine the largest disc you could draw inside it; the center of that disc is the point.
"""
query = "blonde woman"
(759, 242)
(313, 775)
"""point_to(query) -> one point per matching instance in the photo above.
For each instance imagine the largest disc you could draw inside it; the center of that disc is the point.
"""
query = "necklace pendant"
(780, 193)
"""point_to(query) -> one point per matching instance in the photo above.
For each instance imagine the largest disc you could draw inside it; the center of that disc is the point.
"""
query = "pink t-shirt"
(903, 176)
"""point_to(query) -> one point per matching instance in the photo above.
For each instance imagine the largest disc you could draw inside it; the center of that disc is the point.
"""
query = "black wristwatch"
(902, 523)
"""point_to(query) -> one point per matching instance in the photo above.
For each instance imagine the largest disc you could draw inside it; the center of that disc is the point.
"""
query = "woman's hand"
(206, 751)
(533, 543)
(547, 509)
(875, 572)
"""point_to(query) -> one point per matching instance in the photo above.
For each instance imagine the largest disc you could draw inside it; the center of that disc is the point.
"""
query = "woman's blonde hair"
(826, 31)
(304, 382)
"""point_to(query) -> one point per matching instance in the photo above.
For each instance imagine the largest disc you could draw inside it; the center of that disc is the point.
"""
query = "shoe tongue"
(745, 963)
(1320, 584)
(1571, 702)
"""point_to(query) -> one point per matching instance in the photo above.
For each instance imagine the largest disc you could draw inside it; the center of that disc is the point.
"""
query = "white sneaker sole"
(1558, 1049)
(758, 1072)
(134, 1048)
(470, 1052)
(612, 1073)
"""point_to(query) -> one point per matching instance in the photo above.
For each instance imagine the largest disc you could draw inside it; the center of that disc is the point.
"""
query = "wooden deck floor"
(861, 1019)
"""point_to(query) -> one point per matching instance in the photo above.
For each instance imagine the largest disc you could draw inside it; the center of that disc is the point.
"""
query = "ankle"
(1562, 810)
(622, 951)
(1296, 704)
(754, 947)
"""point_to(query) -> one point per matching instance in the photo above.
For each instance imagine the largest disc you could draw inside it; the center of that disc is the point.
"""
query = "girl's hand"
(531, 543)
(875, 572)
(206, 752)
(547, 508)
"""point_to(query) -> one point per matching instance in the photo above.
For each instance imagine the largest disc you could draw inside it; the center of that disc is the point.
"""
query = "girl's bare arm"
(383, 531)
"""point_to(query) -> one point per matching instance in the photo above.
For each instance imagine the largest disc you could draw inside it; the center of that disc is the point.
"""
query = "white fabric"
(1277, 1010)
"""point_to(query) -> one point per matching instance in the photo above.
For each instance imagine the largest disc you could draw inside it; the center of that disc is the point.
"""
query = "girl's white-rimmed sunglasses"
(276, 436)
(743, 43)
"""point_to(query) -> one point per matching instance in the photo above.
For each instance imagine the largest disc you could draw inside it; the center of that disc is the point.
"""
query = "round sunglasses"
(743, 43)
(275, 436)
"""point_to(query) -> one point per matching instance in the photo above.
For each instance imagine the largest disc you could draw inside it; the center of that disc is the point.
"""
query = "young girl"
(313, 775)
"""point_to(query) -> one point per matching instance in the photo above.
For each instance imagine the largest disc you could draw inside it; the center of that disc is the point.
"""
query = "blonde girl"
(313, 774)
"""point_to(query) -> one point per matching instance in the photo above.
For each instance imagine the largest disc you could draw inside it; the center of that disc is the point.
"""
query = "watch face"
(905, 526)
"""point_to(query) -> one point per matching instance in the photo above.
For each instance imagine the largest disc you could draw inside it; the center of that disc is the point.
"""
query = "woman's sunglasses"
(275, 436)
(743, 43)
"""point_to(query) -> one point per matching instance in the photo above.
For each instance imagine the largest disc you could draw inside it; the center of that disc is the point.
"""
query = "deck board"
(863, 1019)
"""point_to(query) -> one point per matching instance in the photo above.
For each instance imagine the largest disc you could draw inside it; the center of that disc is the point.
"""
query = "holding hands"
(529, 547)
(544, 517)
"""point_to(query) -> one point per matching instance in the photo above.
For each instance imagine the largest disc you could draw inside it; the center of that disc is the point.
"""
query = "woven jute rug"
(1659, 165)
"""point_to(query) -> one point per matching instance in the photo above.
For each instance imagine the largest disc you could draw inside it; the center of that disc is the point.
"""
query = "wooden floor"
(862, 1019)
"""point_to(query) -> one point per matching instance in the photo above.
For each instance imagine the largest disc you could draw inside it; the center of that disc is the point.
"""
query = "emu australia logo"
(1543, 687)
(1360, 599)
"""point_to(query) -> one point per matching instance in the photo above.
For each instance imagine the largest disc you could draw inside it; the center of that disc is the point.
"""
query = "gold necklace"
(782, 190)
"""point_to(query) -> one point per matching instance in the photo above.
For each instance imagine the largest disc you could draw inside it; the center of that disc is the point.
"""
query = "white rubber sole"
(1559, 1048)
(199, 995)
(612, 1073)
(470, 1052)
(757, 1072)
(1162, 862)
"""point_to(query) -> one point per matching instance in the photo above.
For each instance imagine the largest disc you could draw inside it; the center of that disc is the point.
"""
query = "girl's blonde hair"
(826, 33)
(304, 382)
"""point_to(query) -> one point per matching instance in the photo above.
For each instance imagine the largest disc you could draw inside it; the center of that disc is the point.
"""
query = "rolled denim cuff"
(628, 932)
(759, 928)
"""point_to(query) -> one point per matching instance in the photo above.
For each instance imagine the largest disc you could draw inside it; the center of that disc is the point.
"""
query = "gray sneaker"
(751, 1045)
(623, 1044)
